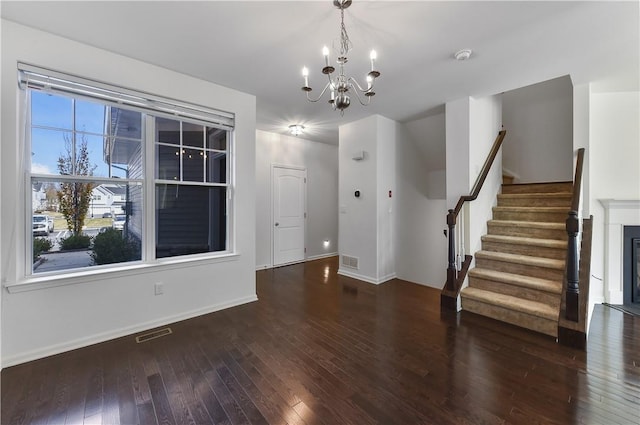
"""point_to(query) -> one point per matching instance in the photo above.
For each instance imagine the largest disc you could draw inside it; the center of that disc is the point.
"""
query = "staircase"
(519, 271)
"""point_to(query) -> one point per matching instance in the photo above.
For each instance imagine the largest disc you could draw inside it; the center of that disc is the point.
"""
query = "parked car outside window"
(119, 220)
(42, 225)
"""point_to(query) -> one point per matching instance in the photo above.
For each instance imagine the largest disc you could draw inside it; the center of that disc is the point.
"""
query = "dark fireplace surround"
(631, 260)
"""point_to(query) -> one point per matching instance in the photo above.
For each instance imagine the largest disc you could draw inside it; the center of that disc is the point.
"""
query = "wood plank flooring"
(318, 348)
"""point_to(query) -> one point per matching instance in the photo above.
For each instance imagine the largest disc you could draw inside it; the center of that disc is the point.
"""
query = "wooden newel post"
(451, 268)
(573, 290)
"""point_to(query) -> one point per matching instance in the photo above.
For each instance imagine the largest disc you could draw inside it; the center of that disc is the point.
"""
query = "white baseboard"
(320, 256)
(118, 333)
(510, 173)
(387, 278)
(311, 258)
(364, 278)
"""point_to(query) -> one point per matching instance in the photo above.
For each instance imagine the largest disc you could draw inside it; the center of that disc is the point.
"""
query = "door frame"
(271, 213)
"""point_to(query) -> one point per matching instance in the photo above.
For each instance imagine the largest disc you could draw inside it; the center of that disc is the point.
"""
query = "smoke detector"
(463, 55)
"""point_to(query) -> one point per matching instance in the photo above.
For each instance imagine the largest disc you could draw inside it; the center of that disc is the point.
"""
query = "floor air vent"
(153, 335)
(348, 261)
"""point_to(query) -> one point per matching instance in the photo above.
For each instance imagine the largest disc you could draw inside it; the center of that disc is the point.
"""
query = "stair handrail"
(572, 225)
(483, 174)
(453, 285)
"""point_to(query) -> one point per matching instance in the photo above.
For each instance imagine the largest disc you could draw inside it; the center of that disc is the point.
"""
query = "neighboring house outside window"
(108, 160)
(191, 171)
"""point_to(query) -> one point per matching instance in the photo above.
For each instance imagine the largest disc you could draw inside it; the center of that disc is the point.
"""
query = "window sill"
(32, 283)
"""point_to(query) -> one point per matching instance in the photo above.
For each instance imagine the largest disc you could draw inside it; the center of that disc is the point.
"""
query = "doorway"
(289, 199)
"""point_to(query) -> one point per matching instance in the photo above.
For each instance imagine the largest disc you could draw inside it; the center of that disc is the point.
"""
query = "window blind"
(37, 78)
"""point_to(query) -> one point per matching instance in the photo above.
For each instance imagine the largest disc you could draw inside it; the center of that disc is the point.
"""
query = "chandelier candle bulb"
(325, 53)
(369, 79)
(373, 56)
(305, 74)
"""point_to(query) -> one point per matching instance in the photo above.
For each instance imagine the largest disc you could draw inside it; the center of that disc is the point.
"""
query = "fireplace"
(631, 265)
(621, 224)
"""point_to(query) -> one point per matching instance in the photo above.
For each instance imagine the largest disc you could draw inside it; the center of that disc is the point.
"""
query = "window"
(108, 166)
(191, 188)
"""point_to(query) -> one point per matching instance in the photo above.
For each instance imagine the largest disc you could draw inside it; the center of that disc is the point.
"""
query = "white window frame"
(151, 192)
(152, 106)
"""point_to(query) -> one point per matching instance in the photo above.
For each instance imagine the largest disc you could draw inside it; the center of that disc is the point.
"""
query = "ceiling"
(259, 47)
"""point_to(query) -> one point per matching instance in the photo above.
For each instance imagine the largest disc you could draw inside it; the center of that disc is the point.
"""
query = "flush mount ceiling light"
(296, 129)
(463, 55)
(340, 86)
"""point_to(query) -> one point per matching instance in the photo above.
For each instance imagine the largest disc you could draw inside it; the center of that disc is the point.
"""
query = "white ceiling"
(259, 47)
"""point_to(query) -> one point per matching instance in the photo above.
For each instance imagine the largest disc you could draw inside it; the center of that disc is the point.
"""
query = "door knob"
(277, 224)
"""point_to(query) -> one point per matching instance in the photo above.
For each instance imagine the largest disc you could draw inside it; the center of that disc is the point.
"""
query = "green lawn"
(60, 223)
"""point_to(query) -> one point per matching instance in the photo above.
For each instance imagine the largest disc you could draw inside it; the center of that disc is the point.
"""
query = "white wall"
(321, 163)
(421, 247)
(386, 204)
(366, 229)
(429, 135)
(539, 142)
(485, 123)
(358, 225)
(472, 126)
(2, 273)
(614, 155)
(457, 121)
(66, 313)
(615, 145)
(581, 139)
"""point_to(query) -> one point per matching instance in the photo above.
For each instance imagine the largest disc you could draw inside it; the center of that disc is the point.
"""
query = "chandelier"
(340, 85)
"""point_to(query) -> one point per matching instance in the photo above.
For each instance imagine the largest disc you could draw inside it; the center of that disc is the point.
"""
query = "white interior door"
(289, 214)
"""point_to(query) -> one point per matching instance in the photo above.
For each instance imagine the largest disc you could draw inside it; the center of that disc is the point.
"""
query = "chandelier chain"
(344, 36)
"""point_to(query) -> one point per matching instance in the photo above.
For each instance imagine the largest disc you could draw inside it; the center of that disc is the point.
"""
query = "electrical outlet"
(159, 288)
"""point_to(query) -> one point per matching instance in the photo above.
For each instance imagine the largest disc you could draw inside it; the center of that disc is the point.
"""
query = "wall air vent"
(351, 262)
(153, 335)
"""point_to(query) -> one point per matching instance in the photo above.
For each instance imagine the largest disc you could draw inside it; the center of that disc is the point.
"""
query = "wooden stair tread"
(512, 303)
(535, 195)
(542, 183)
(519, 240)
(545, 187)
(522, 259)
(532, 209)
(534, 224)
(539, 284)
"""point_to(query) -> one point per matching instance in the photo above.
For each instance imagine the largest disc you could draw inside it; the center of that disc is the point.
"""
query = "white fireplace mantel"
(618, 213)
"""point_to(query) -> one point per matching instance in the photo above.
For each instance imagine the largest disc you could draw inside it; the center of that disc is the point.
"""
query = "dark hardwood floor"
(323, 349)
